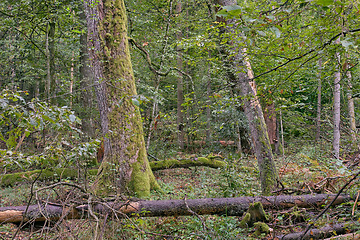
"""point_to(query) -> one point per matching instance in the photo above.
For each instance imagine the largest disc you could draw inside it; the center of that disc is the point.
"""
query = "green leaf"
(135, 102)
(232, 7)
(72, 118)
(261, 33)
(324, 3)
(222, 13)
(346, 43)
(276, 31)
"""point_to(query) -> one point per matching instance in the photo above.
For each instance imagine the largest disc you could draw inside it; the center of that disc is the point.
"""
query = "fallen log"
(63, 173)
(208, 206)
(41, 175)
(173, 163)
(325, 232)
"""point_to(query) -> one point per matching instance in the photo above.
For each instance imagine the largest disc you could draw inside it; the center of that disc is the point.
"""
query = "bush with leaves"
(49, 135)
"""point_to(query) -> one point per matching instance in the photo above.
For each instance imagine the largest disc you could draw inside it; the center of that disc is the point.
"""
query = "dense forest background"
(303, 56)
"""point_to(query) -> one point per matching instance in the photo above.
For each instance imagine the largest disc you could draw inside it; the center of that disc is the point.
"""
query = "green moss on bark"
(125, 167)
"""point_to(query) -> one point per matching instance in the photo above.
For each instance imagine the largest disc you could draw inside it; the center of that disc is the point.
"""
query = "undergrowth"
(301, 169)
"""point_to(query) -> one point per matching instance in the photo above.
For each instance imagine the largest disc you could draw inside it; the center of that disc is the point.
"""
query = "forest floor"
(302, 171)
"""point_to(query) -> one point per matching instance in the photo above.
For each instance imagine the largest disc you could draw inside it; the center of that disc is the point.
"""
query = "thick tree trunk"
(125, 166)
(208, 206)
(253, 111)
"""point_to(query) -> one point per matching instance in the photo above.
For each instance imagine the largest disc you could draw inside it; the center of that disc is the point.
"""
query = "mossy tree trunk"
(125, 167)
(242, 75)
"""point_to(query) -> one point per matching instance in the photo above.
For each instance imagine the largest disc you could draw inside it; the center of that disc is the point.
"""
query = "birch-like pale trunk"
(336, 137)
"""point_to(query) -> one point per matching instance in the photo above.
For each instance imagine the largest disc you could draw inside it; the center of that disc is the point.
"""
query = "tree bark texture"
(318, 110)
(208, 206)
(86, 82)
(50, 61)
(336, 113)
(180, 88)
(125, 167)
(322, 233)
(271, 124)
(351, 110)
(252, 108)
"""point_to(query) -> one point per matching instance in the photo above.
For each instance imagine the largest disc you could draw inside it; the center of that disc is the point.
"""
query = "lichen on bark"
(125, 167)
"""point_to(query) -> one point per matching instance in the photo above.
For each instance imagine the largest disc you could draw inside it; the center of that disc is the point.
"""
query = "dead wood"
(62, 173)
(208, 206)
(325, 232)
(192, 162)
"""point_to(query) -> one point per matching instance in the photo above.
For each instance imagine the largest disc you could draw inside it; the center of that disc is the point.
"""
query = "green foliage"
(50, 132)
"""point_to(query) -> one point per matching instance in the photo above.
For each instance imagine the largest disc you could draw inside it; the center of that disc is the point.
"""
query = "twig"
(153, 157)
(329, 205)
(197, 215)
(28, 204)
(343, 33)
(20, 142)
(356, 200)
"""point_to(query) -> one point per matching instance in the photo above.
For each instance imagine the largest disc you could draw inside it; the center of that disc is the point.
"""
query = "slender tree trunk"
(282, 134)
(48, 75)
(86, 82)
(180, 88)
(270, 120)
(336, 139)
(318, 112)
(238, 132)
(253, 111)
(208, 110)
(50, 61)
(71, 80)
(153, 112)
(351, 109)
(125, 167)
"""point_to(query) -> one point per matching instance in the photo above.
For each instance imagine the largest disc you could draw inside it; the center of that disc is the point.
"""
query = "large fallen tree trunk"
(62, 173)
(207, 206)
(325, 232)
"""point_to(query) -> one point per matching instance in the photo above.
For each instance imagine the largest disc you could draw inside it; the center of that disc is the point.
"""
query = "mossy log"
(208, 206)
(71, 173)
(322, 233)
(173, 163)
(45, 174)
